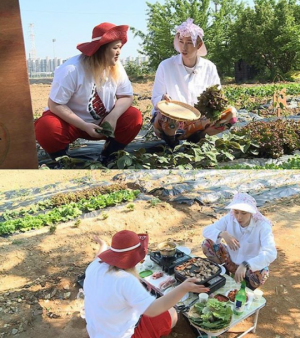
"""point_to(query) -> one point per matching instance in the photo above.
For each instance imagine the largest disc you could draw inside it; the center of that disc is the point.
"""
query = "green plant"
(212, 102)
(104, 215)
(154, 201)
(130, 206)
(273, 139)
(77, 223)
(106, 129)
(53, 229)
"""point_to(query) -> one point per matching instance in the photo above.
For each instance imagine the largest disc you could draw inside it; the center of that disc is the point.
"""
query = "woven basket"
(178, 111)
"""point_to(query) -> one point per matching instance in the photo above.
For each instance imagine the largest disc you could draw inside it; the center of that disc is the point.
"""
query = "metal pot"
(167, 248)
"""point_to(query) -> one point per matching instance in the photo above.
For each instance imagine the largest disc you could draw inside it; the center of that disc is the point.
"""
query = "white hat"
(244, 202)
(188, 28)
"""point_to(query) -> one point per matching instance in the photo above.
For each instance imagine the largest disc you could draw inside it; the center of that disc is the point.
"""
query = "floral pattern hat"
(186, 29)
(245, 202)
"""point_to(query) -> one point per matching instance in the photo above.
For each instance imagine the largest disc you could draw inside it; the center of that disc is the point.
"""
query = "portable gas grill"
(168, 263)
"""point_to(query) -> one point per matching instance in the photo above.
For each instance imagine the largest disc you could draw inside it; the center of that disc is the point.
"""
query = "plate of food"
(231, 295)
(221, 298)
(212, 316)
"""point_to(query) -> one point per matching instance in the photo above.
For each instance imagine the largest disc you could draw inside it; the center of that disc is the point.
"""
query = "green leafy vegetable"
(212, 102)
(213, 315)
(106, 129)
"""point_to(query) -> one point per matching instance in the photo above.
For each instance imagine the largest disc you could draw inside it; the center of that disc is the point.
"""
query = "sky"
(71, 22)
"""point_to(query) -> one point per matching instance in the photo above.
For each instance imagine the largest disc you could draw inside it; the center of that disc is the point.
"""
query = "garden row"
(65, 213)
(62, 199)
(257, 139)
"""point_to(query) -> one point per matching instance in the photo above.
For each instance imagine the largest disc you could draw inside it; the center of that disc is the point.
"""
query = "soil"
(142, 94)
(39, 269)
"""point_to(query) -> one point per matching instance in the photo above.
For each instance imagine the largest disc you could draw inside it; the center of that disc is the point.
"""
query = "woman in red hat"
(88, 90)
(116, 304)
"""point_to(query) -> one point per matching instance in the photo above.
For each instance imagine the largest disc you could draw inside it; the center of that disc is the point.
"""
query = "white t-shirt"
(179, 83)
(257, 245)
(114, 301)
(74, 87)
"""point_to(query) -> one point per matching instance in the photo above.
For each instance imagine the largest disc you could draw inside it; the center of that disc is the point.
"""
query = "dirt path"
(39, 270)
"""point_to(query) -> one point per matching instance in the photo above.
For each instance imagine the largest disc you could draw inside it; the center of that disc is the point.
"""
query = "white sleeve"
(136, 295)
(215, 79)
(159, 87)
(212, 231)
(267, 253)
(64, 84)
(124, 86)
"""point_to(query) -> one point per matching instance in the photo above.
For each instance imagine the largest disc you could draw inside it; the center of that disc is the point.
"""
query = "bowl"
(231, 295)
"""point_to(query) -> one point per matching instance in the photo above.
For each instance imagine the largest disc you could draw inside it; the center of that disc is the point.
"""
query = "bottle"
(240, 300)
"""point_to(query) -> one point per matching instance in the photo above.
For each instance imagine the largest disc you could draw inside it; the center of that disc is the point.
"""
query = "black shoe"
(59, 153)
(108, 154)
(197, 136)
(172, 141)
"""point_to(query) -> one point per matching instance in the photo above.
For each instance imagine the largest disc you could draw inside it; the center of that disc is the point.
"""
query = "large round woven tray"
(178, 111)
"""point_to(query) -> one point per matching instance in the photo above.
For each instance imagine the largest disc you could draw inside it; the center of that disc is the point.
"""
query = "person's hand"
(190, 286)
(231, 241)
(166, 97)
(240, 273)
(90, 128)
(102, 244)
(110, 118)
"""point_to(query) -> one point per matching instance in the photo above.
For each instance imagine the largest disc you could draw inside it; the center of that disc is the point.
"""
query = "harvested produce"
(211, 316)
(106, 129)
(212, 102)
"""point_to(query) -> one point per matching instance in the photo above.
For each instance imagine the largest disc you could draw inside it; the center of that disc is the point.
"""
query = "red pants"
(54, 134)
(153, 327)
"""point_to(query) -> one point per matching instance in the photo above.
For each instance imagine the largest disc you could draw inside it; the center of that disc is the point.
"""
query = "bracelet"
(246, 265)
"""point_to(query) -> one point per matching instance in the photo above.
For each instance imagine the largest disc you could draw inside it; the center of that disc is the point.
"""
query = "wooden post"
(279, 99)
(17, 138)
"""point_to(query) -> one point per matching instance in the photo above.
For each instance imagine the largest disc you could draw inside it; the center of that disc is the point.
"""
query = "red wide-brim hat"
(127, 249)
(102, 34)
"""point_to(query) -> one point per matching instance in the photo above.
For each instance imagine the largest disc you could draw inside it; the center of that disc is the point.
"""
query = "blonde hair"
(97, 65)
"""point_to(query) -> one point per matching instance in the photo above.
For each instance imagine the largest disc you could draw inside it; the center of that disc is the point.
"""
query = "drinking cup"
(203, 297)
(258, 294)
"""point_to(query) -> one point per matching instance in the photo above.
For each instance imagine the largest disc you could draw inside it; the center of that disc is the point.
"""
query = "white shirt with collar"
(174, 79)
(257, 245)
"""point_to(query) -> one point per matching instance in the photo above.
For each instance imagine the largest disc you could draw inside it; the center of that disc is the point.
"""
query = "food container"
(231, 295)
(167, 248)
(221, 298)
(197, 267)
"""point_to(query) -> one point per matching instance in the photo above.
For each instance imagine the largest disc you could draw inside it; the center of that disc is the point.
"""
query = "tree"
(162, 20)
(218, 35)
(267, 36)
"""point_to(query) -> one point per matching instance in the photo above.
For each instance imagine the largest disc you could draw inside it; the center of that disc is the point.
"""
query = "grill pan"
(180, 276)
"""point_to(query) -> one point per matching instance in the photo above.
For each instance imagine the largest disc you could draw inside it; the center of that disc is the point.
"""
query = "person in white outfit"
(117, 305)
(248, 246)
(183, 78)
